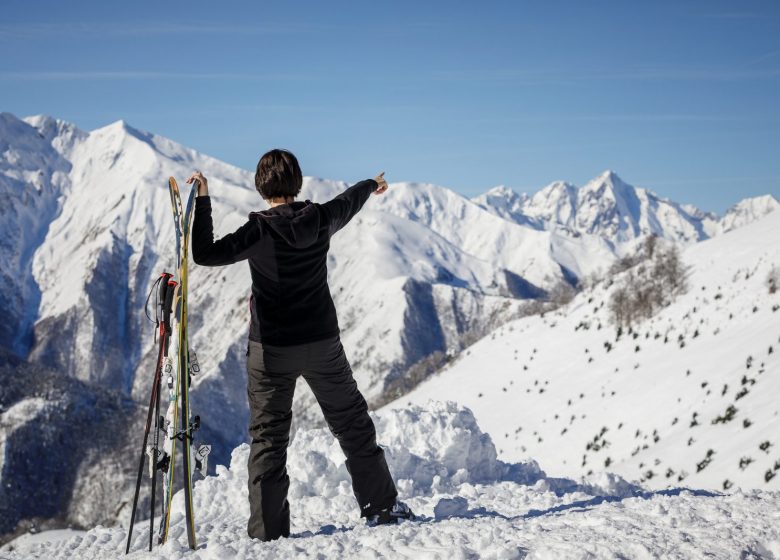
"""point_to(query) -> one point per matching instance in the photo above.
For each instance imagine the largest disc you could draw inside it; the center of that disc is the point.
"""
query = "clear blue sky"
(680, 97)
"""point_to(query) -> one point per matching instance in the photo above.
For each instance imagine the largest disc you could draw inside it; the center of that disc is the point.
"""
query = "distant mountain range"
(618, 212)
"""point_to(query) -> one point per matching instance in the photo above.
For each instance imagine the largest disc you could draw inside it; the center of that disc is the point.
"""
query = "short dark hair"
(278, 175)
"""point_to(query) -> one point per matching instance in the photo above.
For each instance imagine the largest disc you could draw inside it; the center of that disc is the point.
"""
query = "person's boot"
(393, 515)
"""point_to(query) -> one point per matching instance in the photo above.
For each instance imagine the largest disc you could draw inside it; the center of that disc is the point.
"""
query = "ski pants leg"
(271, 376)
(329, 375)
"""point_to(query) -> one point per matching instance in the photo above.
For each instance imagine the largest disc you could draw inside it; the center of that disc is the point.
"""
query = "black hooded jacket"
(287, 248)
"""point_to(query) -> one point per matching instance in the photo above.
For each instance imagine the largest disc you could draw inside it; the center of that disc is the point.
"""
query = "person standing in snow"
(294, 331)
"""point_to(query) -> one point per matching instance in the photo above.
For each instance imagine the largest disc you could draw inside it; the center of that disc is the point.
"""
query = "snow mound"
(441, 446)
(472, 504)
(431, 449)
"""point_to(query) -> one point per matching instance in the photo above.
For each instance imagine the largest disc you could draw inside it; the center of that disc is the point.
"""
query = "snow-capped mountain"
(618, 212)
(86, 229)
(688, 396)
(33, 175)
(504, 202)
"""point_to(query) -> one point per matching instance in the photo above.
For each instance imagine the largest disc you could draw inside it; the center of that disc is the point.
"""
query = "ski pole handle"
(164, 277)
(168, 304)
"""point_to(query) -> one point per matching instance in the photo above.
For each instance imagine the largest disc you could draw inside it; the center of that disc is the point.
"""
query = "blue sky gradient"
(679, 97)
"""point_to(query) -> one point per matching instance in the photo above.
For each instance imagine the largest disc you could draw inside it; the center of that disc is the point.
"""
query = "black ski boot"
(393, 515)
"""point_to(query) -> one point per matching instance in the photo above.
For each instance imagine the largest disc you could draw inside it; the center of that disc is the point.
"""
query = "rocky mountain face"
(66, 449)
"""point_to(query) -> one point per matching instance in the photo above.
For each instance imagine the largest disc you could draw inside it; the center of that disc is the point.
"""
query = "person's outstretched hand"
(382, 183)
(203, 183)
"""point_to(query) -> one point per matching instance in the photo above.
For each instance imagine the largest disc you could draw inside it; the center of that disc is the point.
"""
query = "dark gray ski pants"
(272, 372)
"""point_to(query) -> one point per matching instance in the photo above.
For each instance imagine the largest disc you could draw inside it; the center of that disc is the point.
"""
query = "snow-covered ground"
(689, 397)
(45, 538)
(472, 506)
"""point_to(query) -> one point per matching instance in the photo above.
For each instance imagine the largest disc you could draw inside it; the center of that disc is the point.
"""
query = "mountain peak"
(609, 186)
(40, 121)
(119, 132)
(503, 200)
(120, 124)
(764, 200)
(609, 178)
(51, 128)
(748, 210)
(500, 190)
(559, 186)
(754, 205)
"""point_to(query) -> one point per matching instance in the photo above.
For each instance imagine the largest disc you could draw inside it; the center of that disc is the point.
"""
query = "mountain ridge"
(559, 205)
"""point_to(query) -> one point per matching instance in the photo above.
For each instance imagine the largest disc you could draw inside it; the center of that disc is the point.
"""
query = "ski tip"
(173, 184)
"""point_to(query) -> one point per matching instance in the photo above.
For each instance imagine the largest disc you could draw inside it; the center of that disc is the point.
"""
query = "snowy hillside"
(689, 396)
(472, 504)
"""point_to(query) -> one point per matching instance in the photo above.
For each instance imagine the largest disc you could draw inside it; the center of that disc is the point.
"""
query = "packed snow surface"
(471, 504)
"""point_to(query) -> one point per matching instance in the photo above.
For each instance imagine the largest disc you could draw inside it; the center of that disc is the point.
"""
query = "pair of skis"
(171, 428)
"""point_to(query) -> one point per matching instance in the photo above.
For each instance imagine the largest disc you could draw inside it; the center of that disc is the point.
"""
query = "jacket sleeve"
(232, 248)
(341, 209)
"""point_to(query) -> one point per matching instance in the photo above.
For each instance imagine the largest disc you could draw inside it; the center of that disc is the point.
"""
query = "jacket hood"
(298, 223)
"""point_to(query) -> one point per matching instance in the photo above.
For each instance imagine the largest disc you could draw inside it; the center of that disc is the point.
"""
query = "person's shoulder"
(255, 221)
(322, 210)
(317, 206)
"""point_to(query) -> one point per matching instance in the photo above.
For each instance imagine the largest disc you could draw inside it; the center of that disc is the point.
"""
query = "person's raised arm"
(343, 207)
(232, 248)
